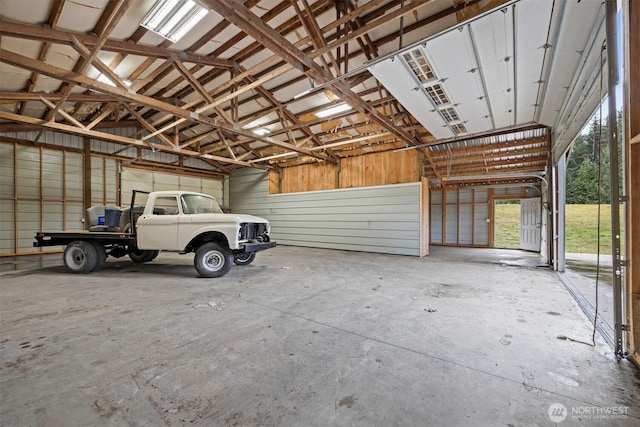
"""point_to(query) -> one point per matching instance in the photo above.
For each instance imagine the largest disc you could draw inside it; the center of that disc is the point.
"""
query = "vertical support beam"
(425, 222)
(560, 210)
(631, 13)
(619, 312)
(86, 180)
(15, 199)
(492, 219)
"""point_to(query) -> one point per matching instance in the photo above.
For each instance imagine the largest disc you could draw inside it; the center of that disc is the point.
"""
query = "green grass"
(507, 225)
(581, 227)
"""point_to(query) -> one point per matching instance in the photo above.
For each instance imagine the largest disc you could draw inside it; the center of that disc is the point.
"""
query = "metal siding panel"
(436, 223)
(97, 180)
(382, 219)
(465, 224)
(7, 226)
(451, 232)
(7, 174)
(213, 187)
(481, 226)
(73, 179)
(481, 196)
(52, 176)
(52, 216)
(28, 173)
(135, 179)
(74, 215)
(111, 184)
(466, 196)
(28, 224)
(188, 183)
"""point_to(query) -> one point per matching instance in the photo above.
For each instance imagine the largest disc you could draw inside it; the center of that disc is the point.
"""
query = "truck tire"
(80, 257)
(213, 260)
(101, 256)
(141, 256)
(244, 259)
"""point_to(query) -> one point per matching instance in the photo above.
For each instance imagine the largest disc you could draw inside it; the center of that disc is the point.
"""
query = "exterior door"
(530, 224)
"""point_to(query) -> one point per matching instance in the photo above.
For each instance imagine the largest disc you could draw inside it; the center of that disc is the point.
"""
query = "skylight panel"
(417, 62)
(437, 94)
(459, 128)
(172, 19)
(450, 114)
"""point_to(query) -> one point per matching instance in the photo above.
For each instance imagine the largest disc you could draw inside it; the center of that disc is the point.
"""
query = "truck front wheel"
(80, 257)
(213, 260)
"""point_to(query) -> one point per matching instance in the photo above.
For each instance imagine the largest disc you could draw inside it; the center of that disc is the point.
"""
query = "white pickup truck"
(179, 221)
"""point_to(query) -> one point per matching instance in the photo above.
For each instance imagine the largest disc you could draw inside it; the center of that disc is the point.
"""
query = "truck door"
(159, 229)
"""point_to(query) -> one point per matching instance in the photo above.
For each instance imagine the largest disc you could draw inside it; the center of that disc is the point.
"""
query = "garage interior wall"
(144, 180)
(382, 219)
(42, 189)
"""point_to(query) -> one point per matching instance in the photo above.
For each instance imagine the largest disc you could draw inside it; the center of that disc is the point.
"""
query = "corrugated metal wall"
(383, 219)
(138, 179)
(39, 188)
(459, 217)
(42, 189)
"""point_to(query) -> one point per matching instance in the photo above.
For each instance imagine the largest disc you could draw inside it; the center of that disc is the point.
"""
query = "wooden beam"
(43, 34)
(271, 39)
(113, 138)
(81, 80)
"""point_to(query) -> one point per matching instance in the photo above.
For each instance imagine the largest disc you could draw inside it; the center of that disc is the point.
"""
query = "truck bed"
(56, 238)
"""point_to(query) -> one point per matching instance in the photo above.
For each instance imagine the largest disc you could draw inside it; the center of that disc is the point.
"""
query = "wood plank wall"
(361, 171)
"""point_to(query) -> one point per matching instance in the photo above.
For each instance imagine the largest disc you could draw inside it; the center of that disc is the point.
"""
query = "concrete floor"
(305, 337)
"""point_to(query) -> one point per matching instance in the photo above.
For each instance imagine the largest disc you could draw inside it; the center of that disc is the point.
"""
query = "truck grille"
(252, 230)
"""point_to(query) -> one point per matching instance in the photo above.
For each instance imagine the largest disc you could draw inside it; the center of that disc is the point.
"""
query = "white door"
(530, 224)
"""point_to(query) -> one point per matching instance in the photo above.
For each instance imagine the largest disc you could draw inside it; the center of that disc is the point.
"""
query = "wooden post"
(86, 180)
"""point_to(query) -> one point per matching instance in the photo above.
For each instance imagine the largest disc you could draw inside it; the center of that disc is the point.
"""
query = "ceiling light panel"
(172, 19)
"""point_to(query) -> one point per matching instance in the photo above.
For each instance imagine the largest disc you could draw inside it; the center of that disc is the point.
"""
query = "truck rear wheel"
(213, 260)
(244, 259)
(101, 256)
(141, 256)
(80, 257)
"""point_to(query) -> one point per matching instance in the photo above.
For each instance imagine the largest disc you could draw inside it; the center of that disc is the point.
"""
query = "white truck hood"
(228, 218)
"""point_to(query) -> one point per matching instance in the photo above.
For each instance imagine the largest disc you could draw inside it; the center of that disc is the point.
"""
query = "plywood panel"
(309, 177)
(380, 169)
